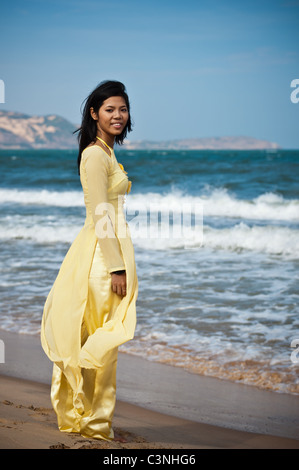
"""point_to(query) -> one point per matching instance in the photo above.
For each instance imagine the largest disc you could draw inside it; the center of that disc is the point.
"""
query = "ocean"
(216, 245)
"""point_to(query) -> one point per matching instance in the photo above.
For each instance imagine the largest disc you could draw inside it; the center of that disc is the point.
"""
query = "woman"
(91, 308)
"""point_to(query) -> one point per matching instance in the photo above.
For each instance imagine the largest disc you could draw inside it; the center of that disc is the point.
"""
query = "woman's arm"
(97, 169)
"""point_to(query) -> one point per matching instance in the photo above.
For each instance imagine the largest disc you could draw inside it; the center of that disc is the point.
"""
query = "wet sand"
(158, 407)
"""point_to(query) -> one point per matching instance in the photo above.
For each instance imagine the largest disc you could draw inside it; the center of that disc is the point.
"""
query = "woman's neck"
(109, 139)
(105, 145)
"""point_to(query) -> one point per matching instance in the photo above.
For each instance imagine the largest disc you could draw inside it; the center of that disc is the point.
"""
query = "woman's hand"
(119, 283)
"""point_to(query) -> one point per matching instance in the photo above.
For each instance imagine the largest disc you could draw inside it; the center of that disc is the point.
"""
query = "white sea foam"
(269, 237)
(218, 203)
(41, 233)
(42, 197)
(241, 237)
(266, 239)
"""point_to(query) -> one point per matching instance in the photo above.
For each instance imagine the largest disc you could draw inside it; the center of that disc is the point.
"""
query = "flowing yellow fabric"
(84, 321)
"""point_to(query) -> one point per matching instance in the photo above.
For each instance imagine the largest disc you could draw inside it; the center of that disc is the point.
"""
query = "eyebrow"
(110, 106)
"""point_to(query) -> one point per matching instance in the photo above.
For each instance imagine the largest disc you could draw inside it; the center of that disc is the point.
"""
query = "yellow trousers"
(84, 399)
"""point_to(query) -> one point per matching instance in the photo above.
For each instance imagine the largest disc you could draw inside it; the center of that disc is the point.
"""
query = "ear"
(93, 114)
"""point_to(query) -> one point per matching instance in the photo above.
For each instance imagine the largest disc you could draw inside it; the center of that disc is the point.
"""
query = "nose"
(117, 114)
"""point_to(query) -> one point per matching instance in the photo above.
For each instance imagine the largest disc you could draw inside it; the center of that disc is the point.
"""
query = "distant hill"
(21, 131)
(206, 143)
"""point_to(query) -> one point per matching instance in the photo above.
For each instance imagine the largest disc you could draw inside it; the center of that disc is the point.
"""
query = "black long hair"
(88, 130)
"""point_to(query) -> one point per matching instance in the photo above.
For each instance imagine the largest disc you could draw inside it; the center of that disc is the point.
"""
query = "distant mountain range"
(205, 143)
(21, 131)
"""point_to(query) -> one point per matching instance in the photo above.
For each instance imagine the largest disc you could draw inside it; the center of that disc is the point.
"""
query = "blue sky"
(191, 68)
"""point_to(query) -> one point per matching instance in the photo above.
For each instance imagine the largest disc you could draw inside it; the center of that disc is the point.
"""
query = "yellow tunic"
(84, 321)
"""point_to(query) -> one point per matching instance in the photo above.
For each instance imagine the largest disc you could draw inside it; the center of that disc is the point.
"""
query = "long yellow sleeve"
(97, 167)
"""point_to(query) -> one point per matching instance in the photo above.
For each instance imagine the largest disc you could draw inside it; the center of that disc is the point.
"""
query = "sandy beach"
(158, 407)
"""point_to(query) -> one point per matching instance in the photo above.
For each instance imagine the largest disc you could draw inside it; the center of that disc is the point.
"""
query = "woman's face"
(112, 116)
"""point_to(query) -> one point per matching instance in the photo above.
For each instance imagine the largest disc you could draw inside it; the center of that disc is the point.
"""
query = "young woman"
(91, 308)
